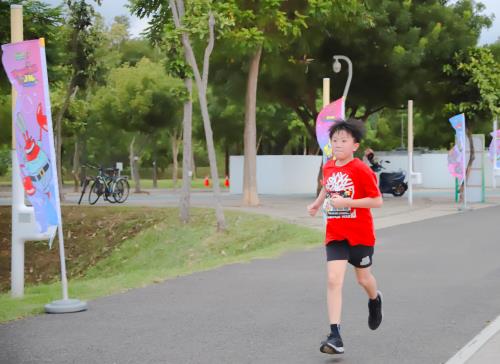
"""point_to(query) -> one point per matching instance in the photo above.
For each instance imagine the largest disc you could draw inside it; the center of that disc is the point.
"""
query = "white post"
(326, 91)
(410, 152)
(17, 256)
(464, 169)
(495, 155)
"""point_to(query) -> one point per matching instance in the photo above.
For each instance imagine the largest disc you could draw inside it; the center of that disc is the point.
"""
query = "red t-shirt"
(354, 180)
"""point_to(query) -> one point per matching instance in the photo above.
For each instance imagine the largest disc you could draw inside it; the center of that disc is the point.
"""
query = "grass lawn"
(168, 183)
(163, 248)
(145, 183)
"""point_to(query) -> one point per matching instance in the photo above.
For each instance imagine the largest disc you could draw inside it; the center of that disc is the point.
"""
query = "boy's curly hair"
(353, 127)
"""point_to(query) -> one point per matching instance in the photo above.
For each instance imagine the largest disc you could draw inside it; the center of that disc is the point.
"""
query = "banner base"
(66, 306)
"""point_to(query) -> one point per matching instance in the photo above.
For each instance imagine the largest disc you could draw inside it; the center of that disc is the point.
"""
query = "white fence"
(296, 174)
(278, 174)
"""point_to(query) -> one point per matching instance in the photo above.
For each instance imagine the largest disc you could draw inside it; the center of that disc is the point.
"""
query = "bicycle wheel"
(121, 190)
(108, 190)
(84, 185)
(96, 190)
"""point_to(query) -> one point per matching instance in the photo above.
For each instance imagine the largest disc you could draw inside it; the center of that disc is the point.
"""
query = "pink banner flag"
(25, 65)
(494, 149)
(457, 155)
(327, 117)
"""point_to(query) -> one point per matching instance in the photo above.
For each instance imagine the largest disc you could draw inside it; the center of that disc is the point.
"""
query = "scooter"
(390, 182)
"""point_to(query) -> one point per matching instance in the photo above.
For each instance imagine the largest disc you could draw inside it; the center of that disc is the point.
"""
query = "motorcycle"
(390, 182)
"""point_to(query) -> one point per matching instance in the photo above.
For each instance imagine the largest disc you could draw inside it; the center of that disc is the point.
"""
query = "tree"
(39, 21)
(162, 34)
(474, 84)
(142, 100)
(397, 48)
(182, 24)
(259, 26)
(196, 21)
(82, 42)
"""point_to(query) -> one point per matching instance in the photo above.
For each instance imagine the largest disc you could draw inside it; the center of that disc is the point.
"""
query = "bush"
(5, 160)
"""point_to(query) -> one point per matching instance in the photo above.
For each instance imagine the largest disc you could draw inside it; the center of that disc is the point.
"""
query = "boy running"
(349, 192)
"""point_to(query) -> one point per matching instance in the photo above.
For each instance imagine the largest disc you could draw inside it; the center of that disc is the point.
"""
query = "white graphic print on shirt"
(339, 184)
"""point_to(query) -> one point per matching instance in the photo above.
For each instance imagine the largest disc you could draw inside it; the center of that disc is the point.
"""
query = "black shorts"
(359, 256)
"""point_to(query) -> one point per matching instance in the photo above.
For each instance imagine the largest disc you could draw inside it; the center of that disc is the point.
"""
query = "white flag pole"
(495, 152)
(410, 152)
(65, 305)
(464, 157)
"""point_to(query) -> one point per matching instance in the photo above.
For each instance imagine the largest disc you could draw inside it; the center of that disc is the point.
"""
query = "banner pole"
(410, 152)
(66, 305)
(495, 152)
(64, 279)
(326, 91)
(465, 164)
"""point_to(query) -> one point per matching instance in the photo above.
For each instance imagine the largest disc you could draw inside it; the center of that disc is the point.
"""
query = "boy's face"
(343, 145)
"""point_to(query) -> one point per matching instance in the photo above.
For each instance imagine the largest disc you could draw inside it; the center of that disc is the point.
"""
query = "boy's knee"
(365, 280)
(334, 281)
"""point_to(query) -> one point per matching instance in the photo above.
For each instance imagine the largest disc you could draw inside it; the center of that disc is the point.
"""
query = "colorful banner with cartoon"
(456, 156)
(326, 118)
(25, 65)
(495, 144)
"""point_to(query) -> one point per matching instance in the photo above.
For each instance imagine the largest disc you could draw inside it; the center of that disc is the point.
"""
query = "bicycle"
(110, 185)
(83, 184)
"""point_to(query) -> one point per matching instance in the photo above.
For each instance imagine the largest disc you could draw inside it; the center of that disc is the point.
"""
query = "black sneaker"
(375, 312)
(332, 345)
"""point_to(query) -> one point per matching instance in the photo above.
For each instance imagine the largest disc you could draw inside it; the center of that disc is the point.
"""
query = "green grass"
(145, 183)
(168, 183)
(169, 249)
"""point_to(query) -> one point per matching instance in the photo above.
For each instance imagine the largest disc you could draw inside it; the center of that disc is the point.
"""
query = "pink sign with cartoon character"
(25, 65)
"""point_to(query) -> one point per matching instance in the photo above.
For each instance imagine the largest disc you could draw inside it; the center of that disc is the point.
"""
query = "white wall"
(296, 174)
(278, 174)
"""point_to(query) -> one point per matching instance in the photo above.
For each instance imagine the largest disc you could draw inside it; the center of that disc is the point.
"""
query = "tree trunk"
(134, 167)
(155, 175)
(187, 155)
(76, 165)
(193, 164)
(250, 196)
(177, 8)
(472, 157)
(175, 153)
(58, 139)
(226, 160)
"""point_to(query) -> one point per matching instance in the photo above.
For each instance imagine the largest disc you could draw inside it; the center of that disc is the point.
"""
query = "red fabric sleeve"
(370, 183)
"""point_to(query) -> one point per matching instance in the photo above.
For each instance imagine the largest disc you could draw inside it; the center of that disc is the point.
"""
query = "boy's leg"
(367, 281)
(336, 273)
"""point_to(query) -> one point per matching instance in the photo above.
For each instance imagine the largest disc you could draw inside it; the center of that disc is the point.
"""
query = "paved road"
(440, 278)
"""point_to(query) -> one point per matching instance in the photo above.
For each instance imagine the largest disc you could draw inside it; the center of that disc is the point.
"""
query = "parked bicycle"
(108, 183)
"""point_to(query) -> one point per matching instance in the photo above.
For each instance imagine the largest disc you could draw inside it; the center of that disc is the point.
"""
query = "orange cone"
(226, 182)
(206, 182)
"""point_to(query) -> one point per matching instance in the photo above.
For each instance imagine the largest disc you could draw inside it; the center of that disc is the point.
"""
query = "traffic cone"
(206, 182)
(226, 182)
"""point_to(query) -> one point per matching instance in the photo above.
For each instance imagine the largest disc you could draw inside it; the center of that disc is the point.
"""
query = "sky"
(111, 8)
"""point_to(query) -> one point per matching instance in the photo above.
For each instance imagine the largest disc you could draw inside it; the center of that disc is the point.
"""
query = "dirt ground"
(91, 233)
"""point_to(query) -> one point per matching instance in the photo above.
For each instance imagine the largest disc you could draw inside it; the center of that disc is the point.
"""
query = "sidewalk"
(484, 348)
(488, 353)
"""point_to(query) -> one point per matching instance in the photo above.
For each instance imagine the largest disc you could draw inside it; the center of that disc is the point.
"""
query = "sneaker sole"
(330, 349)
(381, 311)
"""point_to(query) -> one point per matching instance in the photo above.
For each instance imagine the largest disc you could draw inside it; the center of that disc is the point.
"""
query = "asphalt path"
(440, 278)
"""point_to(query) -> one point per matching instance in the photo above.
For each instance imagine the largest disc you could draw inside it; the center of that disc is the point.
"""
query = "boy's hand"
(312, 209)
(340, 202)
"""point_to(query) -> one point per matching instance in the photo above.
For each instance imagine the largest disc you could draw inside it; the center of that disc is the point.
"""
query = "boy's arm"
(314, 207)
(367, 202)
